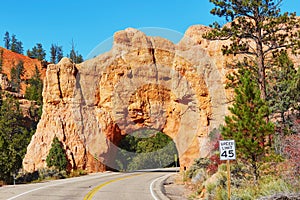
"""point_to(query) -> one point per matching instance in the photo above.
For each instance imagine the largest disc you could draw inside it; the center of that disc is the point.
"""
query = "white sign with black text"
(227, 150)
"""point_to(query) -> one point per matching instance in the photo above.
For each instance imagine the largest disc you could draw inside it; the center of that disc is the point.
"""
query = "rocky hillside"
(11, 59)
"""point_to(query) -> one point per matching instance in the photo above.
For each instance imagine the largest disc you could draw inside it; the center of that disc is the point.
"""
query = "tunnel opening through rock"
(146, 149)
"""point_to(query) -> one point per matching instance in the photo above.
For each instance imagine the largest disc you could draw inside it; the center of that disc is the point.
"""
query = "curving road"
(109, 186)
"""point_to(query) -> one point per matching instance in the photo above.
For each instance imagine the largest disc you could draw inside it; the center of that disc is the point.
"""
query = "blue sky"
(90, 22)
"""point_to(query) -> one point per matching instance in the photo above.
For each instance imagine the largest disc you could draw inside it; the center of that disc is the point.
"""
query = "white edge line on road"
(151, 186)
(24, 193)
(14, 197)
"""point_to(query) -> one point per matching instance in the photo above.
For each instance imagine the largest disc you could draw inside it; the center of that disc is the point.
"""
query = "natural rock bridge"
(143, 82)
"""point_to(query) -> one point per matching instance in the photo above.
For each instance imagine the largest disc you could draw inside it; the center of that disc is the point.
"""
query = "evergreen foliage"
(256, 28)
(6, 40)
(16, 73)
(59, 54)
(34, 92)
(16, 45)
(247, 125)
(14, 138)
(37, 52)
(284, 93)
(57, 156)
(35, 88)
(56, 53)
(53, 54)
(74, 55)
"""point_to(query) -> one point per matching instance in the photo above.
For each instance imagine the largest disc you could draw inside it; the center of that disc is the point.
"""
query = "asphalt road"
(107, 186)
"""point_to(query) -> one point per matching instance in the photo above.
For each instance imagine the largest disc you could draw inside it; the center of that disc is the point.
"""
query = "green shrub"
(51, 173)
(57, 156)
(216, 185)
(200, 163)
(210, 188)
(221, 193)
(274, 186)
(27, 177)
(76, 173)
(265, 187)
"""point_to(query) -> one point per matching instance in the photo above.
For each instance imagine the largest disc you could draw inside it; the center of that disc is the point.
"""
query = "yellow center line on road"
(91, 193)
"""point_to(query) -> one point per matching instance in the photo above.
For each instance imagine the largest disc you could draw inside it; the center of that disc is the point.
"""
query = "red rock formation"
(11, 59)
(143, 82)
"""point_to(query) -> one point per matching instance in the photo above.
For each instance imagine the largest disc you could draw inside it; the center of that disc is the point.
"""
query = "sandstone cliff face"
(142, 83)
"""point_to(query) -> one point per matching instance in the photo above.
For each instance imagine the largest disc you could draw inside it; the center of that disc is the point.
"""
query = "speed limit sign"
(227, 150)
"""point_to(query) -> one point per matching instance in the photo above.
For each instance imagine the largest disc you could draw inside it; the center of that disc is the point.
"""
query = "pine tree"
(74, 55)
(53, 53)
(13, 46)
(16, 73)
(247, 124)
(34, 92)
(56, 53)
(16, 46)
(57, 156)
(35, 88)
(59, 54)
(257, 28)
(284, 93)
(14, 138)
(28, 53)
(6, 40)
(19, 47)
(37, 52)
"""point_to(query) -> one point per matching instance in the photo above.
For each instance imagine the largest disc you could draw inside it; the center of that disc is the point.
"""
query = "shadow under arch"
(146, 149)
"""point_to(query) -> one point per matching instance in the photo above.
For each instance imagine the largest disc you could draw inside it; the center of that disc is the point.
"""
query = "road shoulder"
(174, 188)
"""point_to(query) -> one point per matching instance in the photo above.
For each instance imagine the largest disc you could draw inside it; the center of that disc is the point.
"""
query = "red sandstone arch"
(90, 106)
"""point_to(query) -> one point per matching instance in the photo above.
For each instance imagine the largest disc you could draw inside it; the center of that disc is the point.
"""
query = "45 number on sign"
(230, 154)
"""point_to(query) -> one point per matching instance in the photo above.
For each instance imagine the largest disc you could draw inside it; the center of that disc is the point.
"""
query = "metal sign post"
(227, 152)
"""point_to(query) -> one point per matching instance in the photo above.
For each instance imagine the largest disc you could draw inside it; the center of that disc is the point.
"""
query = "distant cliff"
(11, 59)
